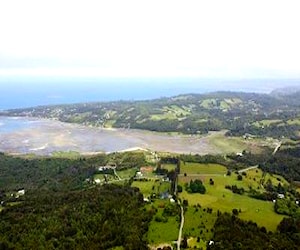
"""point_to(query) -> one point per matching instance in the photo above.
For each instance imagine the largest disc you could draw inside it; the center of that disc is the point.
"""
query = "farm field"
(151, 186)
(169, 167)
(227, 144)
(127, 173)
(218, 197)
(162, 232)
(198, 168)
(198, 222)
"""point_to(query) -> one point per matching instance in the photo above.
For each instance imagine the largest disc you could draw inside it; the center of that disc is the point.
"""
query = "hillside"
(240, 113)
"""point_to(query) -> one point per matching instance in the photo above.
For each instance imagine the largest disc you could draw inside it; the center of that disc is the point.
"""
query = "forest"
(63, 208)
(96, 218)
(230, 232)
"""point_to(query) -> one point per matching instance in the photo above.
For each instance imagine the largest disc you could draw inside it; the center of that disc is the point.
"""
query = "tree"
(184, 242)
(196, 186)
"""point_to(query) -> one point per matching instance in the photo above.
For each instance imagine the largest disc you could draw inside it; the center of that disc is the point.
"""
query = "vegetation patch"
(199, 168)
(164, 226)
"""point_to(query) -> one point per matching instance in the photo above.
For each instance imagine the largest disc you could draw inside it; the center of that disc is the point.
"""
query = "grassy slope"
(219, 198)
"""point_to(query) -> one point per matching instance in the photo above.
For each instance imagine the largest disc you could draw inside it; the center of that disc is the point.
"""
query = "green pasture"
(169, 167)
(151, 186)
(198, 223)
(218, 197)
(295, 121)
(162, 232)
(227, 144)
(199, 168)
(127, 173)
(171, 112)
(266, 123)
(208, 103)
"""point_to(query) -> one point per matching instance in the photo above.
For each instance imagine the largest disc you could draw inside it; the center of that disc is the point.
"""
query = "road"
(181, 226)
(246, 169)
(277, 147)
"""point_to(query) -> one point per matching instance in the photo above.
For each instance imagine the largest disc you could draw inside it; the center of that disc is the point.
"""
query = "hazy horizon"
(158, 39)
(61, 52)
(20, 94)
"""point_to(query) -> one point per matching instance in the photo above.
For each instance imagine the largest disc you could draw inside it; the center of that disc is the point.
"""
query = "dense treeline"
(230, 232)
(191, 114)
(59, 173)
(97, 218)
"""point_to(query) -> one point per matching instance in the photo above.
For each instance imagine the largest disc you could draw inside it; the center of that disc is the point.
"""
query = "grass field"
(171, 112)
(266, 123)
(208, 103)
(294, 121)
(218, 197)
(169, 167)
(197, 168)
(198, 223)
(162, 232)
(151, 186)
(227, 145)
(127, 173)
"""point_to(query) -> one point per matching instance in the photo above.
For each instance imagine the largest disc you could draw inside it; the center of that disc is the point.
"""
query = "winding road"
(181, 226)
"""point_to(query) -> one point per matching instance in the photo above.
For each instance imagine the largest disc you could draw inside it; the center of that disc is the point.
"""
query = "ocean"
(21, 94)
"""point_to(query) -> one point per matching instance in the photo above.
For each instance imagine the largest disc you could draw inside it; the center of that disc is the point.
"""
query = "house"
(97, 181)
(139, 174)
(105, 168)
(164, 195)
(21, 192)
(280, 196)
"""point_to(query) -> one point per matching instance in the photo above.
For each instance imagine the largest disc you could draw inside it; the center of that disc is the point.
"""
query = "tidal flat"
(43, 137)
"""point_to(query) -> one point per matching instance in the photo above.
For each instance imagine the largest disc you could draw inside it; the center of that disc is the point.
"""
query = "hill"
(239, 113)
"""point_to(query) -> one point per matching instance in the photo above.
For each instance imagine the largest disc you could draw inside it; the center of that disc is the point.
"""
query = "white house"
(21, 192)
(280, 196)
(97, 181)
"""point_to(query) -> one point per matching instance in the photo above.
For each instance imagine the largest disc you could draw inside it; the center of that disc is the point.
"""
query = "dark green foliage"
(285, 162)
(266, 196)
(230, 232)
(127, 160)
(235, 211)
(47, 173)
(59, 173)
(235, 189)
(196, 186)
(287, 207)
(97, 218)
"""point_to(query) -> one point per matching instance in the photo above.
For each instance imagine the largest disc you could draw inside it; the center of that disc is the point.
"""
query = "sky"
(149, 39)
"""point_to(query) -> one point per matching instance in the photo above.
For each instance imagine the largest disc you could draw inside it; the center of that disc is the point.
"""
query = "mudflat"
(43, 137)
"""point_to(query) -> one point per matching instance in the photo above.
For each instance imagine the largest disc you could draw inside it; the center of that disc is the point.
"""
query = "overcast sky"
(142, 39)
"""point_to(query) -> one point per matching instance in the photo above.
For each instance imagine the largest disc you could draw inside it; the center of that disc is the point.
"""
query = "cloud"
(150, 39)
